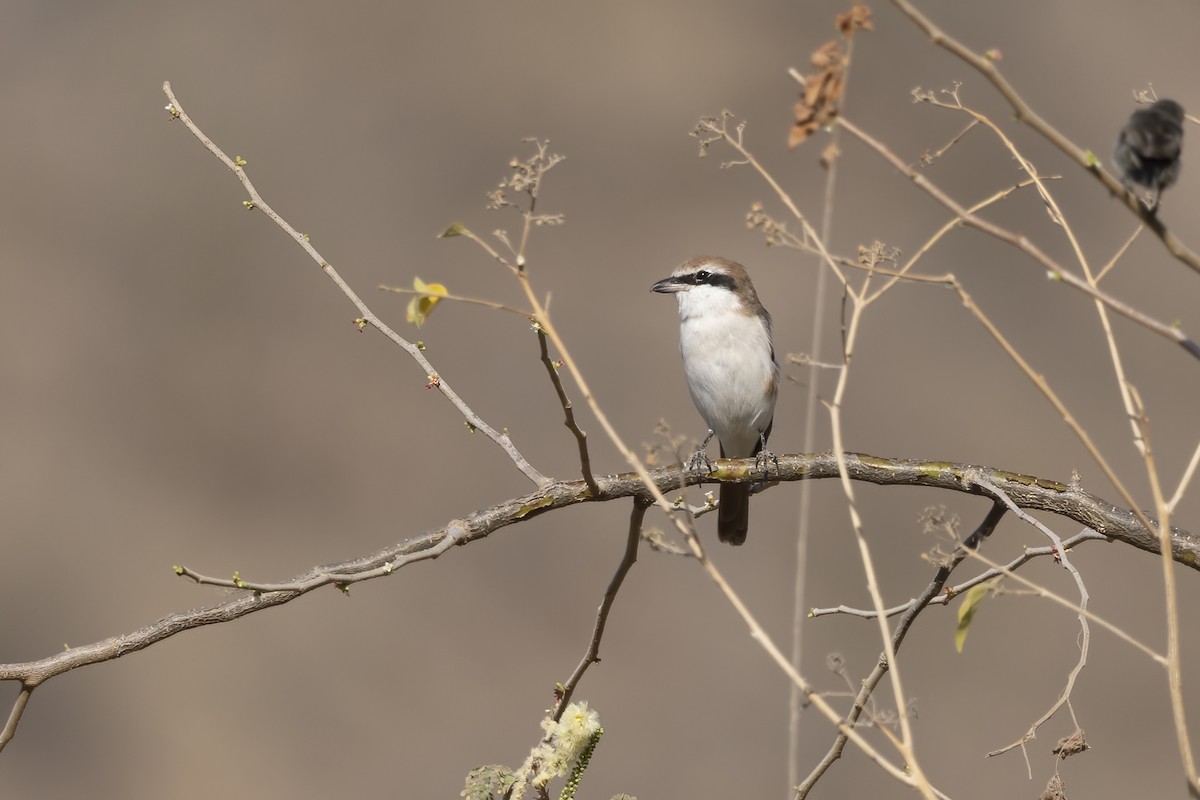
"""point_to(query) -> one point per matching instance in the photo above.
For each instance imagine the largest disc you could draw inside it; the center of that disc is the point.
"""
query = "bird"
(1147, 151)
(732, 374)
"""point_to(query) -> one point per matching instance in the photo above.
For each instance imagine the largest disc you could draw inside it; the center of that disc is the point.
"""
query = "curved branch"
(1026, 492)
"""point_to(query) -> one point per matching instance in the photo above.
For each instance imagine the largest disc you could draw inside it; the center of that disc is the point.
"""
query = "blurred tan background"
(179, 384)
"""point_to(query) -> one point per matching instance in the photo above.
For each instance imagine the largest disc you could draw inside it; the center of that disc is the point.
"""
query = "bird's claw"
(763, 460)
(764, 457)
(700, 461)
(700, 458)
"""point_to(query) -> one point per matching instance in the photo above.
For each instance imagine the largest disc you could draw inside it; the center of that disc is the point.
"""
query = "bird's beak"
(668, 286)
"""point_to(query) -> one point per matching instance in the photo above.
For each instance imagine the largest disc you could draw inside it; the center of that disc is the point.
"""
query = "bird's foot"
(699, 459)
(764, 458)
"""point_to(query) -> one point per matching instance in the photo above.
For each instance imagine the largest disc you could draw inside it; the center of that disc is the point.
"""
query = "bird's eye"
(702, 276)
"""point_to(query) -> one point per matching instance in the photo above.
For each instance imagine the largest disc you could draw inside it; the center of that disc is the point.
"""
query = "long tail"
(733, 513)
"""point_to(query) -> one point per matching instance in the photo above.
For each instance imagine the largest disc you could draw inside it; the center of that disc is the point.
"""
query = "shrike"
(725, 339)
(1148, 149)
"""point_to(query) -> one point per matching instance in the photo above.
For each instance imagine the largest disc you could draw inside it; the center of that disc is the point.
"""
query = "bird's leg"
(764, 457)
(700, 458)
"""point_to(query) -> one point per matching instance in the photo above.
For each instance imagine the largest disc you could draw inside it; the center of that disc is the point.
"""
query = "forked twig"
(914, 609)
(1085, 635)
(368, 316)
(1169, 332)
(585, 460)
(987, 67)
(1027, 554)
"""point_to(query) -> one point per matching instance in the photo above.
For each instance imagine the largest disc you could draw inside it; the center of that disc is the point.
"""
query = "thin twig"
(1022, 243)
(953, 223)
(434, 379)
(1027, 554)
(340, 575)
(1060, 218)
(906, 743)
(711, 129)
(585, 461)
(914, 609)
(592, 655)
(1186, 479)
(474, 301)
(812, 395)
(1022, 111)
(1171, 597)
(900, 773)
(1085, 634)
(14, 716)
(1008, 571)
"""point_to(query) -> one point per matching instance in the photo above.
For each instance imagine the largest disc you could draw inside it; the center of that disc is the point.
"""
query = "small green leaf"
(966, 611)
(1092, 160)
(457, 229)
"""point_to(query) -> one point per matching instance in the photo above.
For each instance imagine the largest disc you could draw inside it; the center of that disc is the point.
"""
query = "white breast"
(730, 370)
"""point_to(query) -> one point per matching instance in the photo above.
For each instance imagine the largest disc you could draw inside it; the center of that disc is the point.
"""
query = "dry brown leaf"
(822, 89)
(856, 19)
(1071, 745)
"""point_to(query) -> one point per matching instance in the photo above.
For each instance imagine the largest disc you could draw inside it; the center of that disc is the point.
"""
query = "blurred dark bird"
(1148, 148)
